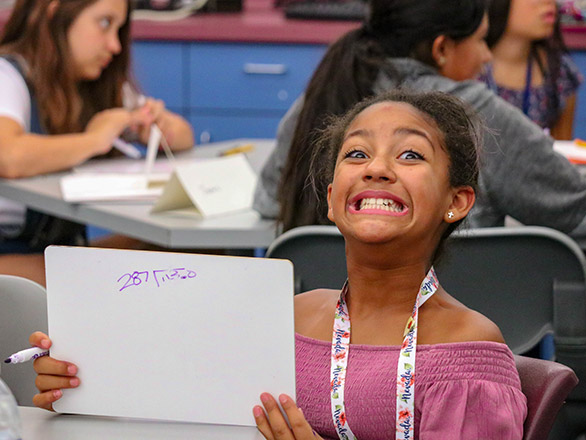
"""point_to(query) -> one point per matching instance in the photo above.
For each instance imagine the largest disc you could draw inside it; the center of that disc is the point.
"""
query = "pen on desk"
(30, 354)
(239, 149)
(580, 142)
(126, 148)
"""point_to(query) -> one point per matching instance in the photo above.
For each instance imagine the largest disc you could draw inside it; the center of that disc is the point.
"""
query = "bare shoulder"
(474, 326)
(314, 312)
(452, 321)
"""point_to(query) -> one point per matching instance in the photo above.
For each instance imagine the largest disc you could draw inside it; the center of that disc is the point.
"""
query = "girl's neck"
(512, 50)
(384, 282)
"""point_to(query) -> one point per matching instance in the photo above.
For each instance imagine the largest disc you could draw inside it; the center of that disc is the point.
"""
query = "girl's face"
(464, 59)
(391, 177)
(93, 37)
(531, 19)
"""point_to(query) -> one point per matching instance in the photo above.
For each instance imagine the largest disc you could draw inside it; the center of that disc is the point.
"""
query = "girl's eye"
(355, 154)
(411, 155)
(105, 23)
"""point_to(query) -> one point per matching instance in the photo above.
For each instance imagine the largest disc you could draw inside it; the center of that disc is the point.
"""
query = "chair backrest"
(508, 274)
(546, 385)
(317, 253)
(518, 278)
(23, 310)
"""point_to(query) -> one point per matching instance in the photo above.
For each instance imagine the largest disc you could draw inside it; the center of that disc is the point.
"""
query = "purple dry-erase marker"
(30, 354)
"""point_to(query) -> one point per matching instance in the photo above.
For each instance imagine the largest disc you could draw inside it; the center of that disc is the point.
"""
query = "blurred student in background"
(531, 68)
(65, 96)
(425, 45)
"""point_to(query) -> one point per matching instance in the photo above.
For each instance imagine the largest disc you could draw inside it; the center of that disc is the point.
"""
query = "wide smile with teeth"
(379, 204)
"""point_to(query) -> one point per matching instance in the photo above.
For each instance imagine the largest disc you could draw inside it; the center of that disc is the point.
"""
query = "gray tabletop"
(241, 230)
(39, 424)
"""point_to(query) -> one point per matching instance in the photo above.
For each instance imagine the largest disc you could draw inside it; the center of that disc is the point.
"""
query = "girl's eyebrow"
(416, 132)
(398, 131)
(358, 132)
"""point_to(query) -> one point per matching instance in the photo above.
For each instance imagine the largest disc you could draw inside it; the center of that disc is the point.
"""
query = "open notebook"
(171, 336)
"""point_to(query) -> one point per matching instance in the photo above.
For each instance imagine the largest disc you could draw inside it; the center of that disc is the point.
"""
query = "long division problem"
(160, 277)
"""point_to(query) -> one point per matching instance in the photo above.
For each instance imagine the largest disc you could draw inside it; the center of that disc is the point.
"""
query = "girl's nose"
(380, 170)
(114, 44)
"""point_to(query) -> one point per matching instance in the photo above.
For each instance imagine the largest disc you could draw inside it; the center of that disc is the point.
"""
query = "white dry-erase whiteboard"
(171, 336)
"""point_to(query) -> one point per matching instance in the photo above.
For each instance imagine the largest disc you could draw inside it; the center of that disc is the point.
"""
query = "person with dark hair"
(401, 170)
(531, 67)
(65, 96)
(425, 45)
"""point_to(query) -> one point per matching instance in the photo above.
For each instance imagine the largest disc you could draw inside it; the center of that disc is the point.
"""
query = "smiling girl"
(64, 65)
(401, 171)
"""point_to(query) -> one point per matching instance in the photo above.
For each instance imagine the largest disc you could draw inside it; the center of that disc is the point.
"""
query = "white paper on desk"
(87, 187)
(209, 187)
(162, 169)
(574, 153)
(171, 336)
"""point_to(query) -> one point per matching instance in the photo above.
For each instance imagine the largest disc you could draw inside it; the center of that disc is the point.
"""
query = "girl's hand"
(52, 375)
(107, 125)
(154, 111)
(273, 425)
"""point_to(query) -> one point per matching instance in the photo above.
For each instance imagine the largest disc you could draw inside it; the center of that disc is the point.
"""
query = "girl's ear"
(462, 202)
(442, 53)
(330, 211)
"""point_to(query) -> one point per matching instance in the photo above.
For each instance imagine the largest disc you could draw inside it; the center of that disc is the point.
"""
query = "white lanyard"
(405, 415)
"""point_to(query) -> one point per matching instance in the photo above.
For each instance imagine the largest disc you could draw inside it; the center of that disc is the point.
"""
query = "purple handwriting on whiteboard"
(160, 277)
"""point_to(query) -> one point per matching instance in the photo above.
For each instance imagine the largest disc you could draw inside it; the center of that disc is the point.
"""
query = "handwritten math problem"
(159, 277)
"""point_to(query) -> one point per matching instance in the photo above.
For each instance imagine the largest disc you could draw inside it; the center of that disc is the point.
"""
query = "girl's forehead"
(388, 116)
(119, 7)
(393, 113)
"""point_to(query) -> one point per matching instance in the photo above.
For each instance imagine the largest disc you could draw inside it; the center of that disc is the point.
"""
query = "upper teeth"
(384, 204)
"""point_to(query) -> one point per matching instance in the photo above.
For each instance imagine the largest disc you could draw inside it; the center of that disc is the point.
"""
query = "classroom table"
(38, 424)
(240, 230)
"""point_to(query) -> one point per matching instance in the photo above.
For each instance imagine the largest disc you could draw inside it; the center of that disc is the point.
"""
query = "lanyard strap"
(527, 91)
(405, 366)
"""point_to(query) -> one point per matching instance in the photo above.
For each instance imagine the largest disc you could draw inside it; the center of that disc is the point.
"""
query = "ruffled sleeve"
(472, 409)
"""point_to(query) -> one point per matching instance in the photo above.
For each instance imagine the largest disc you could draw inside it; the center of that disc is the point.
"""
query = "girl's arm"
(563, 129)
(25, 154)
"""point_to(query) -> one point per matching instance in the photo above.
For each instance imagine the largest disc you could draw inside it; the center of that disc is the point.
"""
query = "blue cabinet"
(213, 128)
(230, 90)
(159, 71)
(248, 76)
(226, 90)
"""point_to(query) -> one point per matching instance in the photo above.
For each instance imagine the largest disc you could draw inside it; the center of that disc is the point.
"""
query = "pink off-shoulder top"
(463, 391)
